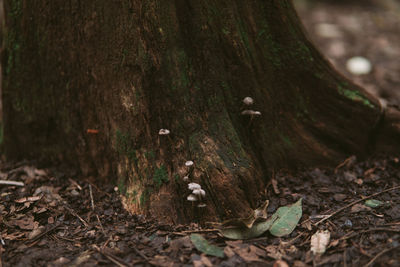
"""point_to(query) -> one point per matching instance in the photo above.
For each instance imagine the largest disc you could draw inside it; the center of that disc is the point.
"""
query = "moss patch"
(160, 176)
(354, 95)
(124, 145)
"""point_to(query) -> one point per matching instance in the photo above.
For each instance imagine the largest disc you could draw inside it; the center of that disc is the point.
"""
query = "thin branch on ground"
(368, 231)
(141, 254)
(355, 202)
(45, 233)
(91, 196)
(116, 260)
(7, 182)
(371, 262)
(77, 216)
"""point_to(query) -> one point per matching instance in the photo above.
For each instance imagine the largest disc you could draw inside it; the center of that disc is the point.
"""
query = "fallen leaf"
(256, 230)
(273, 252)
(287, 219)
(248, 222)
(359, 207)
(229, 252)
(26, 223)
(202, 245)
(319, 242)
(280, 263)
(247, 254)
(373, 203)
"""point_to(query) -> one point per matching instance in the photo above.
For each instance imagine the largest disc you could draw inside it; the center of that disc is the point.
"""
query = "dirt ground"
(60, 219)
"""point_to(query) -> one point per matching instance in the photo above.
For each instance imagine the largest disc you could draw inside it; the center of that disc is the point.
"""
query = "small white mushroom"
(186, 178)
(189, 163)
(163, 132)
(191, 197)
(201, 205)
(199, 192)
(250, 112)
(193, 186)
(248, 101)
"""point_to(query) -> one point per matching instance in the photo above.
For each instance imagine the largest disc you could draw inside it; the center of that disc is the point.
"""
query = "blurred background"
(361, 38)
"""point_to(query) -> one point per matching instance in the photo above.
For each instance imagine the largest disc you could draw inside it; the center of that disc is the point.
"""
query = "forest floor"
(59, 219)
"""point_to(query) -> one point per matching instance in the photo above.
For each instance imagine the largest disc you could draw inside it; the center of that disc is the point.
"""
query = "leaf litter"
(45, 223)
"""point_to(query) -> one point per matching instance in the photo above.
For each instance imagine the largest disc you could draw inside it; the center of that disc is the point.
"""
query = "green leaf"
(202, 244)
(257, 229)
(287, 219)
(373, 203)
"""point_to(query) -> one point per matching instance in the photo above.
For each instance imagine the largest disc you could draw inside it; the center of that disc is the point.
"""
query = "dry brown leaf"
(320, 241)
(28, 199)
(229, 252)
(163, 261)
(359, 207)
(247, 254)
(280, 263)
(26, 223)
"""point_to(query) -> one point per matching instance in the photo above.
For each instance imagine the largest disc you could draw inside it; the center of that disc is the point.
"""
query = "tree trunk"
(91, 83)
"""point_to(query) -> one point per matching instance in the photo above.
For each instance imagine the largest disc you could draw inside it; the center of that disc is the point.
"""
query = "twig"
(77, 216)
(196, 231)
(75, 183)
(119, 262)
(91, 196)
(45, 232)
(92, 203)
(369, 230)
(101, 225)
(140, 254)
(7, 182)
(371, 262)
(355, 202)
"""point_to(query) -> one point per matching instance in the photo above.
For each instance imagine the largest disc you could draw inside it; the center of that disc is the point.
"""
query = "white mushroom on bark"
(248, 101)
(189, 163)
(250, 112)
(193, 186)
(192, 198)
(163, 132)
(197, 194)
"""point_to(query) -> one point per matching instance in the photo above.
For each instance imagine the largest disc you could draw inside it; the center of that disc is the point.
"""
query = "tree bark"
(91, 83)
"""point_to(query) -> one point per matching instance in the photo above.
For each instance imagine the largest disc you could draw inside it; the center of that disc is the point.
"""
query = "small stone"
(359, 65)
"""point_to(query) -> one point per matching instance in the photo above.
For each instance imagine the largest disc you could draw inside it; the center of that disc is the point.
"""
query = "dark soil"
(60, 219)
(52, 221)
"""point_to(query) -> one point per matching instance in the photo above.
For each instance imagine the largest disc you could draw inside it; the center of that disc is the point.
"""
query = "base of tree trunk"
(92, 84)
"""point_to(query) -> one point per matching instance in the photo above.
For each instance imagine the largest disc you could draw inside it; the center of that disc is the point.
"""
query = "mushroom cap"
(201, 205)
(193, 186)
(199, 192)
(250, 112)
(186, 178)
(191, 197)
(248, 101)
(189, 163)
(163, 132)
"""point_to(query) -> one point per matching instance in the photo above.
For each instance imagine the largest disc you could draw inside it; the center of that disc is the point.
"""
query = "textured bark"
(130, 68)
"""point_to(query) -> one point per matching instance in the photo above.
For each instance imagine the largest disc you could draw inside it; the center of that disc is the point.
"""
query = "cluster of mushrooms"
(198, 194)
(248, 101)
